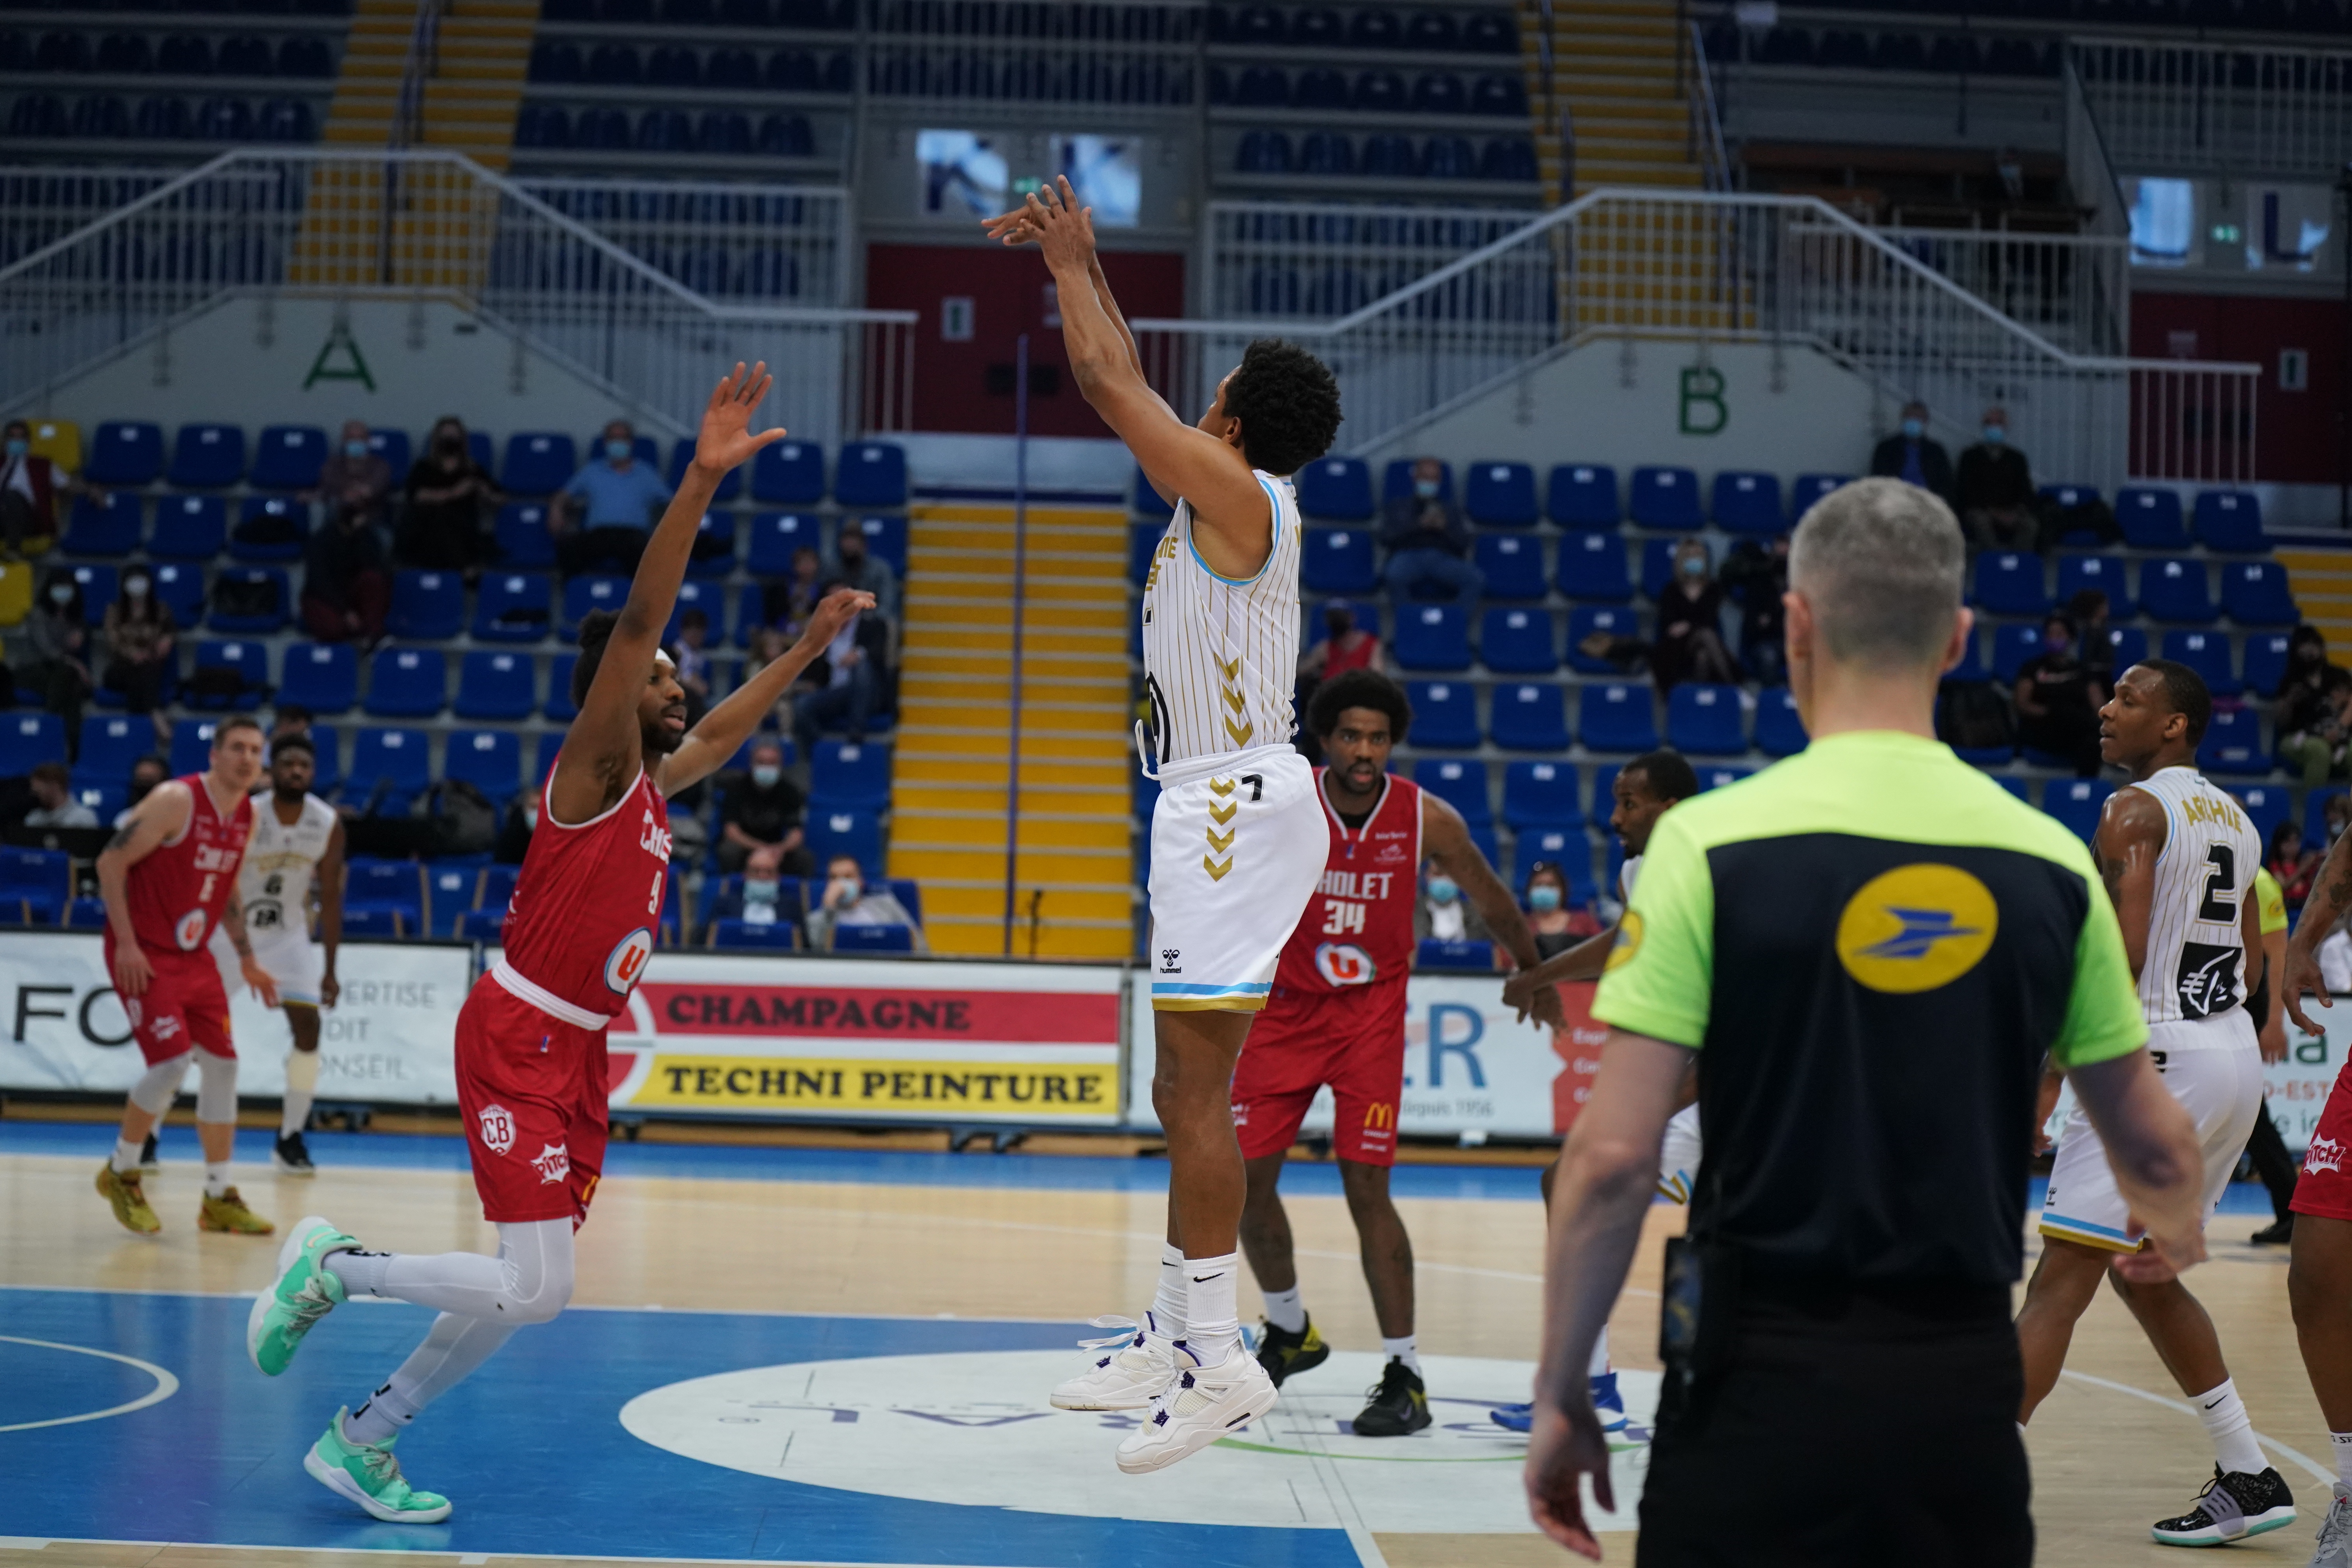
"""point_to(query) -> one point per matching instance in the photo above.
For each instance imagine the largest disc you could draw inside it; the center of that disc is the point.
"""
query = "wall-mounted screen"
(1107, 171)
(963, 174)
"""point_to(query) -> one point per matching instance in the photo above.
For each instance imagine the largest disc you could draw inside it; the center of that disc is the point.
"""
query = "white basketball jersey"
(280, 864)
(2196, 943)
(1220, 654)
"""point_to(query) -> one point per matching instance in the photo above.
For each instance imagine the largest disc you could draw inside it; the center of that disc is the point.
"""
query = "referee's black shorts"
(1848, 1431)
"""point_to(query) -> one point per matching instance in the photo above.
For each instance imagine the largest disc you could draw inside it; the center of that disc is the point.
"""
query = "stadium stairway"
(954, 750)
(1613, 71)
(2321, 583)
(471, 97)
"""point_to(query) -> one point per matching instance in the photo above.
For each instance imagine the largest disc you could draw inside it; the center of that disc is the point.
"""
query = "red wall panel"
(2295, 432)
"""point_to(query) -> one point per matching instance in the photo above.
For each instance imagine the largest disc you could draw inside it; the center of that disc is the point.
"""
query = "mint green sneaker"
(304, 1293)
(368, 1475)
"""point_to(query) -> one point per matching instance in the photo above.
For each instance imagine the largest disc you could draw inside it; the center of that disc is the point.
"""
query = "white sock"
(1402, 1349)
(1212, 1325)
(1286, 1309)
(2342, 1443)
(301, 1088)
(215, 1177)
(362, 1273)
(126, 1156)
(2231, 1429)
(1600, 1367)
(1168, 1306)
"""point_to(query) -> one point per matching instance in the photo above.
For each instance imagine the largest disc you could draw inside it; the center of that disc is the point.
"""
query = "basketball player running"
(1336, 1017)
(1643, 790)
(168, 876)
(2178, 859)
(1237, 837)
(531, 1038)
(296, 846)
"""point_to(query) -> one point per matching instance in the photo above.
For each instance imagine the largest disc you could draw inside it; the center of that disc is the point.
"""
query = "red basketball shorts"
(2324, 1188)
(533, 1093)
(184, 1006)
(1352, 1040)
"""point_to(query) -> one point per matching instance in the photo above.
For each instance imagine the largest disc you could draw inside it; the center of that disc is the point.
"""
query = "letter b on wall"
(1702, 409)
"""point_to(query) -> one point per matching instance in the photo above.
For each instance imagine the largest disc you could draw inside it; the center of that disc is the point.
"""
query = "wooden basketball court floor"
(812, 1356)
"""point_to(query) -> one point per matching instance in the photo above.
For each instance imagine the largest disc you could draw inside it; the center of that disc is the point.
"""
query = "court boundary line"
(2327, 1476)
(573, 1306)
(166, 1384)
(35, 1543)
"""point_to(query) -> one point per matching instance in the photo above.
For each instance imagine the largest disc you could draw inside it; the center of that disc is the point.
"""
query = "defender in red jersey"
(168, 878)
(1336, 1019)
(531, 1079)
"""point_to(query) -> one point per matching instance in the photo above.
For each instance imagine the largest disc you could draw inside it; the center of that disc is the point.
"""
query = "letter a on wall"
(351, 366)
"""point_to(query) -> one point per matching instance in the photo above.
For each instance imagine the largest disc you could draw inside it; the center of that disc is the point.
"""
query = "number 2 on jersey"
(2221, 903)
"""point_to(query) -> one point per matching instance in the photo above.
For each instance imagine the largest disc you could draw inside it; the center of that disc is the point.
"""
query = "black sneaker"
(1282, 1353)
(2275, 1235)
(292, 1158)
(1399, 1405)
(148, 1159)
(2231, 1507)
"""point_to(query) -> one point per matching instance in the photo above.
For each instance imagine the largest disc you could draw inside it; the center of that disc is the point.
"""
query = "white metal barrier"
(770, 243)
(417, 223)
(2190, 107)
(1328, 258)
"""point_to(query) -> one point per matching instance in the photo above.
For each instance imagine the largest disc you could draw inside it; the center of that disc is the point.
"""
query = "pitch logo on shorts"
(553, 1163)
(2325, 1154)
(497, 1127)
(1917, 928)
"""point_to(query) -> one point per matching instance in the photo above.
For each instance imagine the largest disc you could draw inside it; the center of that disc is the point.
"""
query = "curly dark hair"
(595, 631)
(1288, 404)
(1359, 689)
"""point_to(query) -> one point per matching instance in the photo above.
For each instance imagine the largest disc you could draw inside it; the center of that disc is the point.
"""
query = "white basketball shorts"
(2214, 1069)
(1678, 1155)
(1238, 846)
(292, 959)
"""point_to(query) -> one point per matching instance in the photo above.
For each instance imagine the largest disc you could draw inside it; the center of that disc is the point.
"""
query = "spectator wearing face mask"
(355, 479)
(1995, 489)
(29, 487)
(1690, 625)
(604, 513)
(760, 823)
(139, 632)
(53, 802)
(1915, 456)
(58, 633)
(855, 566)
(1429, 542)
(145, 774)
(2058, 700)
(450, 496)
(346, 590)
(1556, 923)
(1443, 914)
(845, 900)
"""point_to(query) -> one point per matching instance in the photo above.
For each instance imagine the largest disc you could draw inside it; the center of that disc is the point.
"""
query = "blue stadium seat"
(385, 889)
(2207, 653)
(189, 528)
(560, 706)
(1512, 565)
(192, 746)
(248, 661)
(1665, 498)
(28, 740)
(2012, 647)
(1332, 559)
(1337, 489)
(2102, 574)
(270, 528)
(873, 939)
(845, 775)
(539, 463)
(870, 473)
(738, 933)
(2266, 805)
(263, 593)
(110, 745)
(775, 537)
(1460, 784)
(429, 606)
(1585, 620)
(513, 606)
(40, 879)
(498, 885)
(2265, 661)
(489, 760)
(586, 593)
(2068, 496)
(1748, 503)
(1396, 480)
(376, 924)
(2175, 588)
(206, 457)
(790, 473)
(1811, 487)
(1540, 795)
(886, 540)
(523, 537)
(2230, 522)
(1658, 565)
(1444, 715)
(103, 525)
(1147, 502)
(1500, 495)
(1530, 717)
(846, 830)
(2151, 519)
(1432, 954)
(322, 677)
(1778, 732)
(2076, 803)
(2255, 594)
(1582, 496)
(88, 914)
(328, 748)
(391, 446)
(495, 686)
(1972, 665)
(407, 682)
(681, 453)
(394, 761)
(1704, 720)
(287, 457)
(450, 890)
(1143, 542)
(2015, 787)
(2127, 646)
(709, 597)
(1518, 642)
(1717, 778)
(2010, 582)
(1564, 847)
(1434, 638)
(1616, 716)
(1593, 567)
(2234, 745)
(124, 452)
(714, 546)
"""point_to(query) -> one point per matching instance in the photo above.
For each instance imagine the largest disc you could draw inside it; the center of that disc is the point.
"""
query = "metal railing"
(422, 62)
(721, 239)
(419, 224)
(1706, 149)
(2187, 109)
(41, 204)
(1328, 259)
(1138, 54)
(2073, 290)
(1788, 270)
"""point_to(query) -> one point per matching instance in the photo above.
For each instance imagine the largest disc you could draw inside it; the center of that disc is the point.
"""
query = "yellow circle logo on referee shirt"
(1917, 928)
(1628, 942)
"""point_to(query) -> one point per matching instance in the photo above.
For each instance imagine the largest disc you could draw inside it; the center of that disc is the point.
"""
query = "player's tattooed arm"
(2130, 838)
(233, 922)
(1447, 838)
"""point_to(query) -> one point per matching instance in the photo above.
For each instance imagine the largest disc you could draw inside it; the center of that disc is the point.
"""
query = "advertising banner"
(910, 1041)
(2297, 1087)
(388, 1041)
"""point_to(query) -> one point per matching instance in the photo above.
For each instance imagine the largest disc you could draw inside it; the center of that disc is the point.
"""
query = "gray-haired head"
(1880, 564)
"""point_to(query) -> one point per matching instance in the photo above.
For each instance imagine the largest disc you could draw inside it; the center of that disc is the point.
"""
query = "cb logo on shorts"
(628, 962)
(497, 1129)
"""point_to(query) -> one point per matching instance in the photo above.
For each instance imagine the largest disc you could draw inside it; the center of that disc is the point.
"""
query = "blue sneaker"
(1513, 1417)
(1608, 1403)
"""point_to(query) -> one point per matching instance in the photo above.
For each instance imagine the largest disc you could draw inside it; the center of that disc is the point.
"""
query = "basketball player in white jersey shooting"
(1238, 842)
(2178, 859)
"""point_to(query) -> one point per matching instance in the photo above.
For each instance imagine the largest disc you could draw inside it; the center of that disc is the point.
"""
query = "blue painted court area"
(531, 1449)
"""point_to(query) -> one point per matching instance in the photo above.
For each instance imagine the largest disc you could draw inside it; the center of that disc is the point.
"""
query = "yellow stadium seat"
(58, 440)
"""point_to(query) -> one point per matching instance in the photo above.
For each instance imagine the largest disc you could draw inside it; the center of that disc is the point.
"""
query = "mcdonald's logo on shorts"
(1379, 1113)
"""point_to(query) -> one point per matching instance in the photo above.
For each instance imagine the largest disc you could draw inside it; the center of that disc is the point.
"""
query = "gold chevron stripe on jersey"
(1217, 846)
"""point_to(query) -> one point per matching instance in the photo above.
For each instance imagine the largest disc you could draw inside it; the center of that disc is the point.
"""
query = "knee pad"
(158, 1085)
(302, 1070)
(215, 1088)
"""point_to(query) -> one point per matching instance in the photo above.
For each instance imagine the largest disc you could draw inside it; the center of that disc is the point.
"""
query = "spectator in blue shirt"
(605, 512)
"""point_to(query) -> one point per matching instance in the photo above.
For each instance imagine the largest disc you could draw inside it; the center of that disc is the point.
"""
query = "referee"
(1870, 948)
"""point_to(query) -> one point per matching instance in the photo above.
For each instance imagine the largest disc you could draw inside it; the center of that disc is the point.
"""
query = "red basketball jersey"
(585, 907)
(1357, 928)
(177, 893)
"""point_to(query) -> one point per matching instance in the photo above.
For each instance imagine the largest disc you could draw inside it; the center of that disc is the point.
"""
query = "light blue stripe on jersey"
(1273, 540)
(1177, 988)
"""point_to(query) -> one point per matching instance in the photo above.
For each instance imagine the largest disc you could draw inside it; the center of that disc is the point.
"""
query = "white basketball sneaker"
(1122, 1378)
(1204, 1404)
